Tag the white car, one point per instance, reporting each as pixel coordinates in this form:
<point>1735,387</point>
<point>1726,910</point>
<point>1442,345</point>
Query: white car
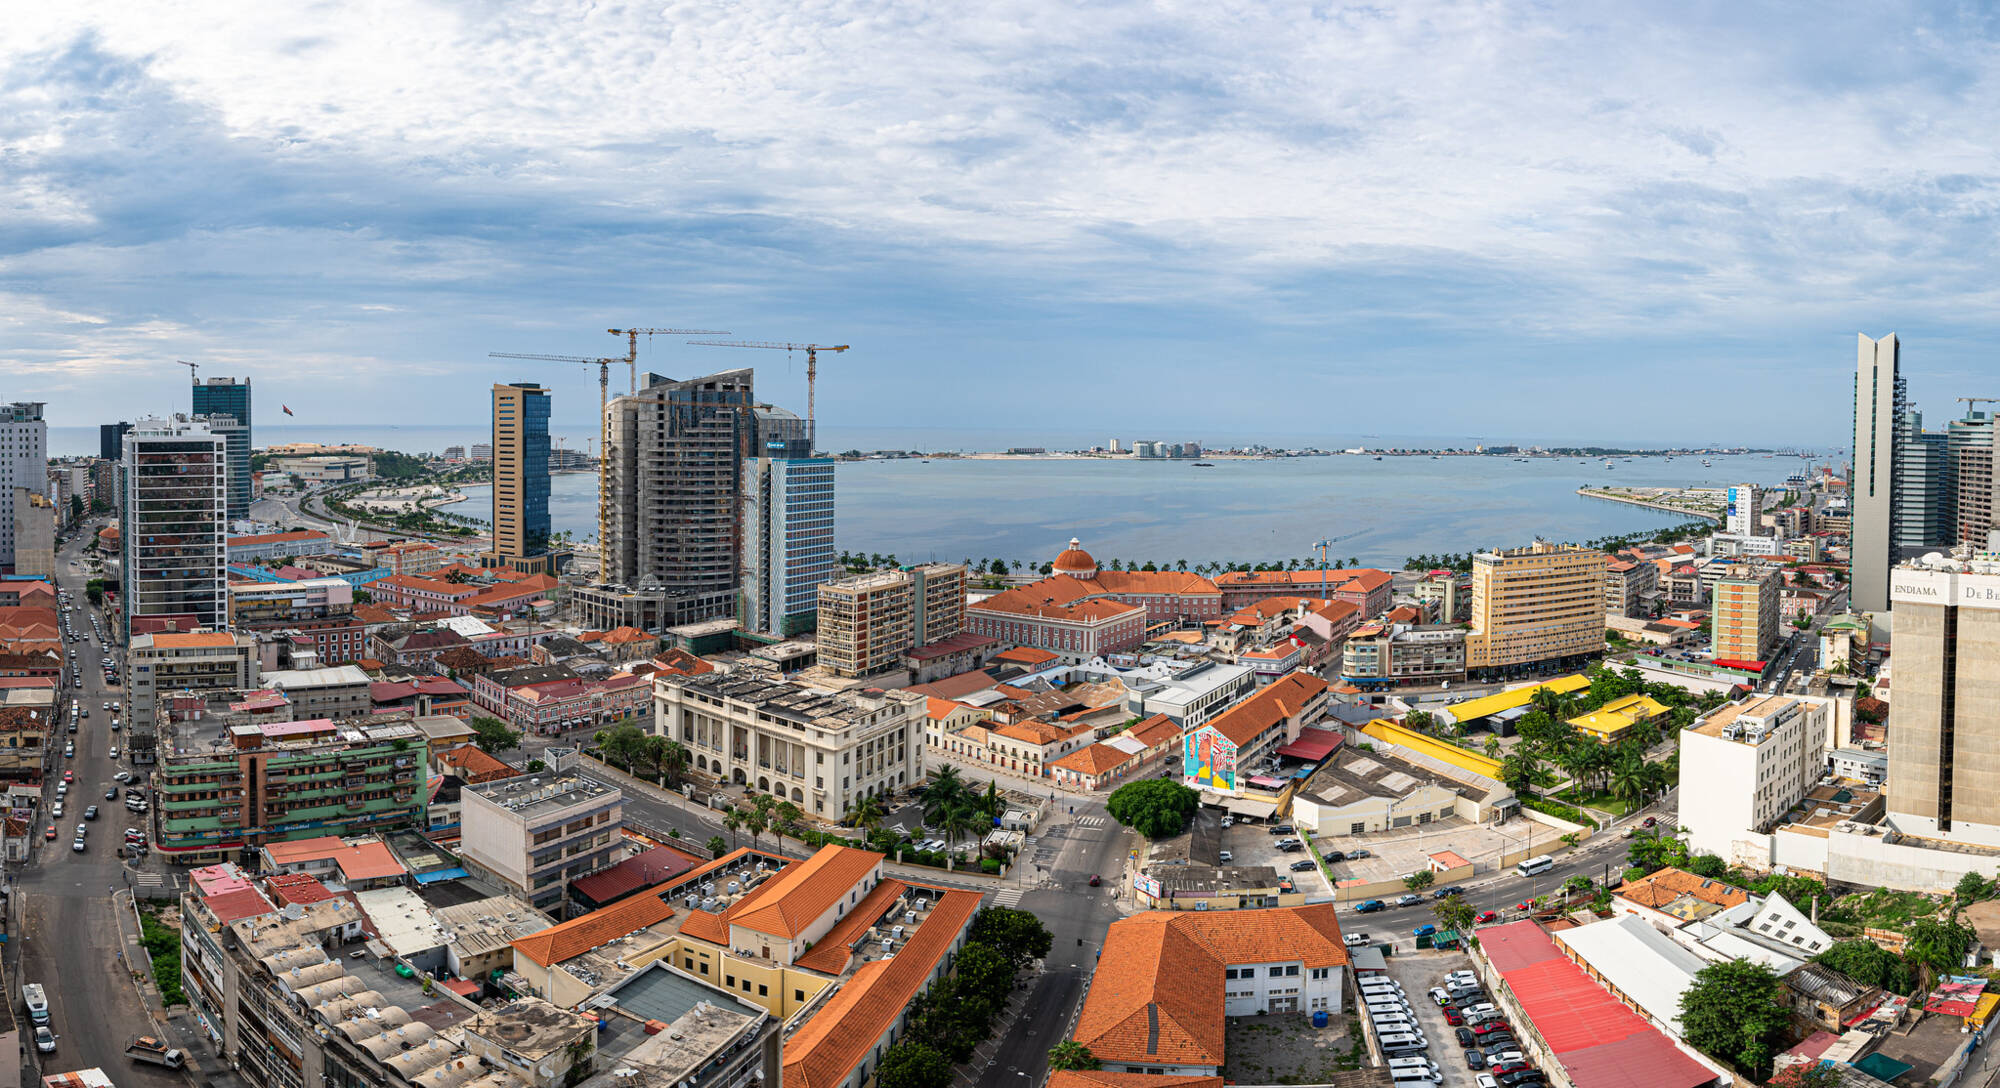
<point>1485,1080</point>
<point>57,810</point>
<point>1355,940</point>
<point>114,751</point>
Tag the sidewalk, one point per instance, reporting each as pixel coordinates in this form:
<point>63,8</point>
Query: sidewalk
<point>179,1028</point>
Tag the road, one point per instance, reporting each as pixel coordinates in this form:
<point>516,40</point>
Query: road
<point>71,940</point>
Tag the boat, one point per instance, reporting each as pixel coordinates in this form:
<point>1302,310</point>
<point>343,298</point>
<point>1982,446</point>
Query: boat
<point>1204,464</point>
<point>1378,457</point>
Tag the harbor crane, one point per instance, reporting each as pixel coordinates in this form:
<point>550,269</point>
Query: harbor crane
<point>632,345</point>
<point>812,358</point>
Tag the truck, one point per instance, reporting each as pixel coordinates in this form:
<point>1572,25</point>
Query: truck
<point>148,1048</point>
<point>37,1002</point>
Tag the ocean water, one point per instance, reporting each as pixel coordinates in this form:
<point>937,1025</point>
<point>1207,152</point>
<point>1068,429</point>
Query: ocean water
<point>1376,511</point>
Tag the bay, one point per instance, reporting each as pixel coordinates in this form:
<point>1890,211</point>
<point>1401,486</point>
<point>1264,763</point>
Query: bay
<point>1379,512</point>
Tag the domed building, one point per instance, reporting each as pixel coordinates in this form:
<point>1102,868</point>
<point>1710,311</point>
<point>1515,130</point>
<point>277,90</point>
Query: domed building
<point>1081,611</point>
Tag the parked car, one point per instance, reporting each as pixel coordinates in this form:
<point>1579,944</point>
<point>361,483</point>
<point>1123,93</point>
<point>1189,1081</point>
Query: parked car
<point>1485,917</point>
<point>1335,855</point>
<point>1370,906</point>
<point>1280,829</point>
<point>1409,899</point>
<point>1448,892</point>
<point>1355,855</point>
<point>1425,930</point>
<point>1303,865</point>
<point>1649,821</point>
<point>1355,940</point>
<point>1452,1016</point>
<point>90,813</point>
<point>50,834</point>
<point>1466,1038</point>
<point>1489,1027</point>
<point>1440,997</point>
<point>1475,1060</point>
<point>1224,856</point>
<point>1095,880</point>
<point>1290,847</point>
<point>1485,1080</point>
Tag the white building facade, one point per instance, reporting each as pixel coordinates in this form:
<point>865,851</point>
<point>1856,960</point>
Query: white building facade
<point>1745,764</point>
<point>24,462</point>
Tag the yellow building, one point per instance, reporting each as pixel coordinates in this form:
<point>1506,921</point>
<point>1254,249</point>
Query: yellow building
<point>1486,706</point>
<point>1744,622</point>
<point>1609,722</point>
<point>1542,603</point>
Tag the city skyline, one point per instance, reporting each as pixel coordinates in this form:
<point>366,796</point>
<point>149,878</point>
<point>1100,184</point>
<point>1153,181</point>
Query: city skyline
<point>1529,208</point>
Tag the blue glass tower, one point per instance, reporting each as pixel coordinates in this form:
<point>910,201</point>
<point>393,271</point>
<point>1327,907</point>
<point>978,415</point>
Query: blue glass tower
<point>231,398</point>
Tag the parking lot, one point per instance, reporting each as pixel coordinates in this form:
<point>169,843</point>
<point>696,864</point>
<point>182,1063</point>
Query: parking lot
<point>1407,850</point>
<point>1417,973</point>
<point>1254,844</point>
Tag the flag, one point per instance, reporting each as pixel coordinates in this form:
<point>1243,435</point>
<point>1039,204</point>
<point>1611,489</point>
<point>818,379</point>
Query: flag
<point>288,410</point>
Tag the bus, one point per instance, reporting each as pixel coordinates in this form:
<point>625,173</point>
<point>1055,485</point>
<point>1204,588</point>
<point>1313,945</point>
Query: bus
<point>1536,865</point>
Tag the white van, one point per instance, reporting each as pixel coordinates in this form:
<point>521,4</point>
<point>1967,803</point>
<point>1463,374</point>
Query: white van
<point>1540,863</point>
<point>1386,1004</point>
<point>1413,1063</point>
<point>1415,1076</point>
<point>1403,1043</point>
<point>1395,1024</point>
<point>1370,985</point>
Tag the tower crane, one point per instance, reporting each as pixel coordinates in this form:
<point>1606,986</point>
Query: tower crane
<point>194,370</point>
<point>1978,400</point>
<point>632,344</point>
<point>812,358</point>
<point>603,370</point>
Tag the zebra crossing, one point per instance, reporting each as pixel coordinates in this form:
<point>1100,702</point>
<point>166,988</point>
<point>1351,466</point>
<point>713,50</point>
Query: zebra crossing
<point>148,880</point>
<point>1009,896</point>
<point>1090,821</point>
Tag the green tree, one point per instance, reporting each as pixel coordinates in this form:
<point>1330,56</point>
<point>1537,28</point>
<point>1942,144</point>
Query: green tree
<point>732,820</point>
<point>1809,1075</point>
<point>1972,888</point>
<point>785,819</point>
<point>716,847</point>
<point>1419,880</point>
<point>913,1065</point>
<point>1018,933</point>
<point>1423,721</point>
<point>1868,963</point>
<point>672,758</point>
<point>492,735</point>
<point>1938,944</point>
<point>985,970</point>
<point>1736,1012</point>
<point>866,813</point>
<point>1157,808</point>
<point>1072,1055</point>
<point>1453,912</point>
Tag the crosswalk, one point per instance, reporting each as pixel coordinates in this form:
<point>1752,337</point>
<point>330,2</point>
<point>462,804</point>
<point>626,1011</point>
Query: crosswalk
<point>1009,896</point>
<point>149,880</point>
<point>1090,821</point>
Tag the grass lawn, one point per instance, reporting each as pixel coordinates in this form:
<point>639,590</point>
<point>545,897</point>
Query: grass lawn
<point>1603,802</point>
<point>1883,909</point>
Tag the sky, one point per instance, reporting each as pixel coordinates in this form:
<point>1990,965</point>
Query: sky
<point>1614,222</point>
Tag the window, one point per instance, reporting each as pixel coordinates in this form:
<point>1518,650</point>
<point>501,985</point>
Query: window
<point>798,995</point>
<point>729,979</point>
<point>704,967</point>
<point>746,985</point>
<point>1357,829</point>
<point>1292,970</point>
<point>1277,972</point>
<point>763,990</point>
<point>1320,973</point>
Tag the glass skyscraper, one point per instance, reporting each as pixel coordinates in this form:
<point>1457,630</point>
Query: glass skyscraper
<point>520,471</point>
<point>229,397</point>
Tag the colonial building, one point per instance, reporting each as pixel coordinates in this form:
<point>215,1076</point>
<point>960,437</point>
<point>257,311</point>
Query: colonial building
<point>1081,611</point>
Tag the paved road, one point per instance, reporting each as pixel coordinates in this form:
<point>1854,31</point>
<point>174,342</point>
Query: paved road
<point>71,940</point>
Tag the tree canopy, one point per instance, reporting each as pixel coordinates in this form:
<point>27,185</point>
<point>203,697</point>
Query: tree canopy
<point>1018,933</point>
<point>1736,1012</point>
<point>493,736</point>
<point>1157,808</point>
<point>913,1065</point>
<point>1869,964</point>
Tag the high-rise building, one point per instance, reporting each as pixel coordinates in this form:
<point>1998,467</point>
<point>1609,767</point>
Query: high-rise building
<point>1944,740</point>
<point>1971,480</point>
<point>520,473</point>
<point>1880,396</point>
<point>787,526</point>
<point>1542,603</point>
<point>868,621</point>
<point>230,397</point>
<point>1745,623</point>
<point>669,492</point>
<point>1743,514</point>
<point>34,534</point>
<point>482,451</point>
<point>172,545</point>
<point>24,462</point>
<point>111,440</point>
<point>1926,509</point>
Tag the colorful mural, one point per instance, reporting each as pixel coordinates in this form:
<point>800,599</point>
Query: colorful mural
<point>1208,760</point>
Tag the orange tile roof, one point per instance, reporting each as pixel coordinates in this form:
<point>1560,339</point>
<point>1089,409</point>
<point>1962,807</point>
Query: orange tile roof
<point>831,954</point>
<point>273,538</point>
<point>573,938</point>
<point>1365,578</point>
<point>1667,885</point>
<point>824,1052</point>
<point>683,663</point>
<point>1037,733</point>
<point>357,861</point>
<point>193,640</point>
<point>1097,1078</point>
<point>1154,731</point>
<point>1155,583</point>
<point>474,765</point>
<point>1281,699</point>
<point>1160,1001</point>
<point>937,709</point>
<point>1094,760</point>
<point>804,892</point>
<point>1025,655</point>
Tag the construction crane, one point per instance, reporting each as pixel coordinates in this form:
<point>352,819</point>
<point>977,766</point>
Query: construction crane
<point>194,371</point>
<point>632,344</point>
<point>603,371</point>
<point>1978,400</point>
<point>812,359</point>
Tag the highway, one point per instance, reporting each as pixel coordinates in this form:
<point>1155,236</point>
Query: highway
<point>71,941</point>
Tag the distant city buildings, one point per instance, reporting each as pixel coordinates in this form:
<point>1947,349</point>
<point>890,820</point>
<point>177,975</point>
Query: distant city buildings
<point>230,398</point>
<point>111,440</point>
<point>1081,611</point>
<point>1969,445</point>
<point>868,622</point>
<point>1743,510</point>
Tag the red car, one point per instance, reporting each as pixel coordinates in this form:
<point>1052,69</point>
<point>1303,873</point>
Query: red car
<point>1485,916</point>
<point>50,834</point>
<point>1453,1016</point>
<point>1510,1067</point>
<point>1525,905</point>
<point>69,776</point>
<point>1094,880</point>
<point>1490,1027</point>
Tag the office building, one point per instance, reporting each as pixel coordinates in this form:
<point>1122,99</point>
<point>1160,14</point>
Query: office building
<point>111,441</point>
<point>1379,654</point>
<point>533,836</point>
<point>1944,746</point>
<point>1745,764</point>
<point>867,622</point>
<point>1543,604</point>
<point>195,664</point>
<point>1629,584</point>
<point>821,750</point>
<point>1881,396</point>
<point>230,398</point>
<point>173,543</point>
<point>34,535</point>
<point>482,451</point>
<point>520,474</point>
<point>1926,508</point>
<point>1969,453</point>
<point>1746,622</point>
<point>1743,514</point>
<point>668,495</point>
<point>277,781</point>
<point>787,518</point>
<point>24,463</point>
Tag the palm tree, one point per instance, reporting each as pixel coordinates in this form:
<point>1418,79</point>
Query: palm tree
<point>756,823</point>
<point>672,758</point>
<point>946,791</point>
<point>1627,781</point>
<point>733,820</point>
<point>866,813</point>
<point>784,818</point>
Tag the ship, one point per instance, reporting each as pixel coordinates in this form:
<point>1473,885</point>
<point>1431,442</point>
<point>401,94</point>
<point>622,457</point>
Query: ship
<point>1204,464</point>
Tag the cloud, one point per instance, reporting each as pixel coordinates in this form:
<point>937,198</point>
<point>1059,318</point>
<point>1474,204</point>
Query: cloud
<point>380,195</point>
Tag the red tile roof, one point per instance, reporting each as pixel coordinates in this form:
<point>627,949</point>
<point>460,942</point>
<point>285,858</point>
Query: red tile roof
<point>560,943</point>
<point>831,954</point>
<point>474,766</point>
<point>956,644</point>
<point>1094,760</point>
<point>1279,700</point>
<point>824,1052</point>
<point>301,888</point>
<point>1097,1078</point>
<point>1366,579</point>
<point>803,892</point>
<point>641,870</point>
